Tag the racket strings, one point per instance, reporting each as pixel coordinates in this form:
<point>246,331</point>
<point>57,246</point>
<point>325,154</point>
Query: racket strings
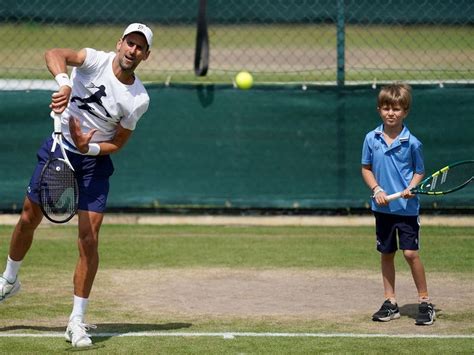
<point>59,192</point>
<point>449,178</point>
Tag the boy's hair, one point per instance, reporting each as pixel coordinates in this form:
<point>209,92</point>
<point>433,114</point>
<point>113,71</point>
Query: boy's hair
<point>395,94</point>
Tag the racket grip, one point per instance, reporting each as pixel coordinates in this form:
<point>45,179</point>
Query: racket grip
<point>57,123</point>
<point>394,196</point>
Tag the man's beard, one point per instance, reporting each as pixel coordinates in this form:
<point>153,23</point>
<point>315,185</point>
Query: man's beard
<point>125,66</point>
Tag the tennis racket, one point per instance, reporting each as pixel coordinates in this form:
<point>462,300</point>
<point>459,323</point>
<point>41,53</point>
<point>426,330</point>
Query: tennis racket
<point>59,192</point>
<point>444,181</point>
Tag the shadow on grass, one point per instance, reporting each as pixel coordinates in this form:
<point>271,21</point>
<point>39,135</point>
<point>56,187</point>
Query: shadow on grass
<point>411,310</point>
<point>107,331</point>
<point>113,328</point>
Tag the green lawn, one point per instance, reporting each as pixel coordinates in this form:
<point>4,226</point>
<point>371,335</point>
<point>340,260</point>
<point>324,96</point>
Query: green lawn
<point>135,247</point>
<point>445,249</point>
<point>247,345</point>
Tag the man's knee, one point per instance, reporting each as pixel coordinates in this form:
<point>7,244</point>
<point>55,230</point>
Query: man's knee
<point>30,217</point>
<point>88,241</point>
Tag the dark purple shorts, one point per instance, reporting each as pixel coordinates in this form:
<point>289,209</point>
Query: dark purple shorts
<point>92,174</point>
<point>387,226</point>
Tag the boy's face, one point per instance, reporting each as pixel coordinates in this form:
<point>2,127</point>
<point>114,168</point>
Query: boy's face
<point>392,115</point>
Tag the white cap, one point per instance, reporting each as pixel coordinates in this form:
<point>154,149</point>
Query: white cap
<point>141,28</point>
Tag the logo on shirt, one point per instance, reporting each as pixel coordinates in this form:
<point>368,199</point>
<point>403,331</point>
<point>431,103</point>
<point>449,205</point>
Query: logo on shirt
<point>93,103</point>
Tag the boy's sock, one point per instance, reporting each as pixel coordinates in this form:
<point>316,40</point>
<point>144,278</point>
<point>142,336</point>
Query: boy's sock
<point>391,298</point>
<point>423,297</point>
<point>11,270</point>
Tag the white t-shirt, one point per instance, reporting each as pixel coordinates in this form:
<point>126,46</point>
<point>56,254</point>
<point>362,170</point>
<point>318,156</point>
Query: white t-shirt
<point>99,100</point>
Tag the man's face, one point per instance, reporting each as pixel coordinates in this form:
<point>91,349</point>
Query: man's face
<point>131,50</point>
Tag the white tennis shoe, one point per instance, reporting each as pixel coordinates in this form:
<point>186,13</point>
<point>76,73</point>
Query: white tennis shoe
<point>76,333</point>
<point>8,289</point>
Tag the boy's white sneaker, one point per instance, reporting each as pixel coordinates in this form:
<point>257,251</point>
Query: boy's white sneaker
<point>8,289</point>
<point>76,333</point>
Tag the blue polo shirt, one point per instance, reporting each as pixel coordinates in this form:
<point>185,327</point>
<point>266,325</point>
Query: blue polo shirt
<point>393,167</point>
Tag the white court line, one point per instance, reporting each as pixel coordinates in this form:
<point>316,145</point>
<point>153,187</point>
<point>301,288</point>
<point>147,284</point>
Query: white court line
<point>232,335</point>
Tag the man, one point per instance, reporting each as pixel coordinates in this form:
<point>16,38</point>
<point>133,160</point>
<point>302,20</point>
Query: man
<point>99,105</point>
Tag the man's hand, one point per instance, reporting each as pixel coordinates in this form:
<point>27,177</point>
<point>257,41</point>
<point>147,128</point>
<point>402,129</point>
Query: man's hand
<point>81,140</point>
<point>60,99</point>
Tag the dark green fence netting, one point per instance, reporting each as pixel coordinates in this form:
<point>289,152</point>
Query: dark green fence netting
<point>268,147</point>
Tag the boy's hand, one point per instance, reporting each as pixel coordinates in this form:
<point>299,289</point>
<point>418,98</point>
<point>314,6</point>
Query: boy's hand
<point>380,197</point>
<point>407,193</point>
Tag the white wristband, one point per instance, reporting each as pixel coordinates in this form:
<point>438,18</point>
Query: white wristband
<point>94,149</point>
<point>377,190</point>
<point>63,80</point>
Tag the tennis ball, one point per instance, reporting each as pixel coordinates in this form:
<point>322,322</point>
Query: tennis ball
<point>244,80</point>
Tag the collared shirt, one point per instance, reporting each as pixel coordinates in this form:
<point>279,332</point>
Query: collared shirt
<point>393,167</point>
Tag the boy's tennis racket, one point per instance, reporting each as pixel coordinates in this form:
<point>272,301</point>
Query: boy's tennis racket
<point>446,180</point>
<point>59,192</point>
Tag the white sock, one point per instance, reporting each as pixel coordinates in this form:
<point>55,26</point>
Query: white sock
<point>79,307</point>
<point>11,269</point>
<point>423,299</point>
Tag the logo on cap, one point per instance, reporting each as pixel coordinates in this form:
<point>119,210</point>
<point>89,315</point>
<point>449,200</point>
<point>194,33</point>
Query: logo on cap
<point>143,29</point>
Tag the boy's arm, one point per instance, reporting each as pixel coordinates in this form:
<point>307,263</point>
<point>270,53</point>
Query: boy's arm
<point>418,173</point>
<point>379,194</point>
<point>417,178</point>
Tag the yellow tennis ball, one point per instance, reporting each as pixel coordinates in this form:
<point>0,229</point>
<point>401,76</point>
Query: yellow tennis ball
<point>244,80</point>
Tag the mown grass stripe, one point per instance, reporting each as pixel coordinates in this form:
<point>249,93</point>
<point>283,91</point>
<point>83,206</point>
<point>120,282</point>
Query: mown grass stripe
<point>232,335</point>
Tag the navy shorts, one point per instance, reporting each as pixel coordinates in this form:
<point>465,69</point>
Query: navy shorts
<point>92,174</point>
<point>386,228</point>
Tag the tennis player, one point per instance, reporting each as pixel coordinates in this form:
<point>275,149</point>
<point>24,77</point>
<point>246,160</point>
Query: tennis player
<point>392,161</point>
<point>100,105</point>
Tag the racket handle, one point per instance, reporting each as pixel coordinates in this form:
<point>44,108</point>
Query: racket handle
<point>394,196</point>
<point>57,123</point>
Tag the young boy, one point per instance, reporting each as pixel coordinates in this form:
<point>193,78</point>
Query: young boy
<point>392,161</point>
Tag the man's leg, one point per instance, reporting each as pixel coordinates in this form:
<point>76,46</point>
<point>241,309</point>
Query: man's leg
<point>20,243</point>
<point>86,269</point>
<point>88,243</point>
<point>22,236</point>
